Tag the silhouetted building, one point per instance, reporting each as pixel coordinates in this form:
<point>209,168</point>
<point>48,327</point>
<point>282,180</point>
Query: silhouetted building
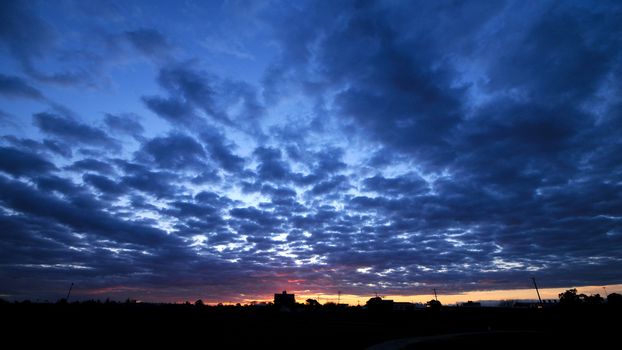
<point>284,299</point>
<point>379,304</point>
<point>471,304</point>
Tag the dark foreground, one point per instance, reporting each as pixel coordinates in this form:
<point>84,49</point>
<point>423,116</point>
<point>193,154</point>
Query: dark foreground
<point>184,326</point>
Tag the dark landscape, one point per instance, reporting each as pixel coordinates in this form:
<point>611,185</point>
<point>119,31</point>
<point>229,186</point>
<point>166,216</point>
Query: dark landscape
<point>307,326</point>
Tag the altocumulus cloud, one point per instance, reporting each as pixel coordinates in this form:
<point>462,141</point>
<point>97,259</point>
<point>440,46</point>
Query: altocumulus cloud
<point>365,147</point>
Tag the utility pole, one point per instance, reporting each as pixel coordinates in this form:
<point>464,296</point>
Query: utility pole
<point>69,293</point>
<point>537,291</point>
<point>435,296</point>
<point>605,289</point>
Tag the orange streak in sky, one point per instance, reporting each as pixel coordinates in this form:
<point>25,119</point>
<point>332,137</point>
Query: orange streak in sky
<point>506,294</point>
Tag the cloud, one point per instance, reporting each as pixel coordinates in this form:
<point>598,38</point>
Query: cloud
<point>395,147</point>
<point>87,217</point>
<point>272,167</point>
<point>196,94</point>
<point>90,164</point>
<point>58,148</point>
<point>330,185</point>
<point>16,87</point>
<point>61,185</point>
<point>170,109</point>
<point>19,163</point>
<point>50,146</point>
<point>410,185</point>
<point>160,184</point>
<point>193,86</point>
<point>221,152</point>
<point>104,184</point>
<point>485,145</point>
<point>73,131</point>
<point>173,152</point>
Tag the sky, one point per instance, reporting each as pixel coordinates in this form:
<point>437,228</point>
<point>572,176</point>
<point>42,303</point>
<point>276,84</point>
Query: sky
<point>228,150</point>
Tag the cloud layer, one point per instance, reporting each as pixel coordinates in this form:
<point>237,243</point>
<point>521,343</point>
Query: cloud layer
<point>369,147</point>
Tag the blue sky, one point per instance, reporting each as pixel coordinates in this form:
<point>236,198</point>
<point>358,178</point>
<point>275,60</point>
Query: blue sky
<point>227,150</point>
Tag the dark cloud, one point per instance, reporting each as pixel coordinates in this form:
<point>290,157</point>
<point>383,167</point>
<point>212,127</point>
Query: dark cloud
<point>160,184</point>
<point>408,100</point>
<point>329,160</point>
<point>49,146</point>
<point>208,216</point>
<point>172,110</point>
<point>281,195</point>
<point>90,164</point>
<point>59,148</point>
<point>82,215</point>
<point>73,131</point>
<point>173,152</point>
<point>409,185</point>
<point>194,87</point>
<point>500,141</point>
<point>221,151</point>
<point>194,94</point>
<point>253,214</point>
<point>330,185</point>
<point>16,162</point>
<point>61,185</point>
<point>104,184</point>
<point>13,86</point>
<point>272,166</point>
<point>559,58</point>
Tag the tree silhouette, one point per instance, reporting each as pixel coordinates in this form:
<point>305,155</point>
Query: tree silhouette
<point>199,303</point>
<point>569,297</point>
<point>614,299</point>
<point>594,299</point>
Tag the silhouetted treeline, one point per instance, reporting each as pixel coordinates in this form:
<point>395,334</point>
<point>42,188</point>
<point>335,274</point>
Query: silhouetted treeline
<point>572,298</point>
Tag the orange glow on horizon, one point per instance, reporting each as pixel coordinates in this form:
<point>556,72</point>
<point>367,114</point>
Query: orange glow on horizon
<point>145,295</point>
<point>448,299</point>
